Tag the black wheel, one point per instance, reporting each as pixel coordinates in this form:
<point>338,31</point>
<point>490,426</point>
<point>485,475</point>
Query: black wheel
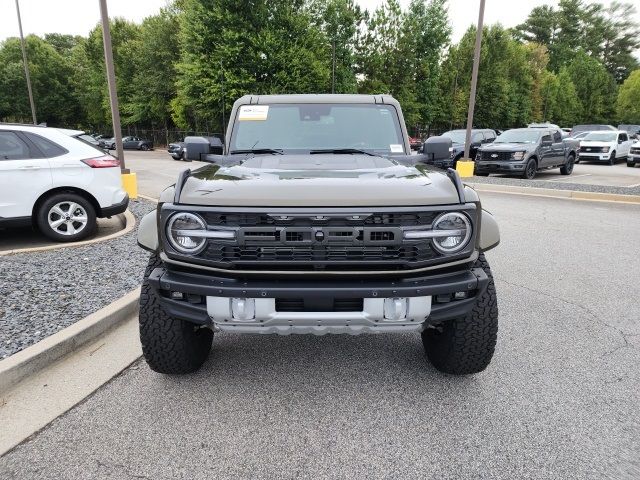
<point>169,345</point>
<point>176,157</point>
<point>612,158</point>
<point>567,168</point>
<point>465,345</point>
<point>631,164</point>
<point>144,147</point>
<point>66,217</point>
<point>530,170</point>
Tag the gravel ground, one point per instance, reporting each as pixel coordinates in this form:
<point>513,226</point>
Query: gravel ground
<point>47,291</point>
<point>520,182</point>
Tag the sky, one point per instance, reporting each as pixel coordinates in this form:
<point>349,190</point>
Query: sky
<point>78,17</point>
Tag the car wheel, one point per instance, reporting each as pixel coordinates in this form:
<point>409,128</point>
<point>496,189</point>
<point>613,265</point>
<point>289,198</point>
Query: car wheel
<point>631,164</point>
<point>144,147</point>
<point>465,345</point>
<point>66,217</point>
<point>567,169</point>
<point>176,157</point>
<point>169,345</point>
<point>530,170</point>
<point>612,158</point>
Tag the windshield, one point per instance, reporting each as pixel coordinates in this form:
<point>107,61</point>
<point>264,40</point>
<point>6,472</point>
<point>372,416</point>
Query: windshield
<point>294,128</point>
<point>456,136</point>
<point>519,136</point>
<point>601,137</point>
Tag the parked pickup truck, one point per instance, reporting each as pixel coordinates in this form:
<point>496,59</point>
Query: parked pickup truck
<point>525,151</point>
<point>317,219</point>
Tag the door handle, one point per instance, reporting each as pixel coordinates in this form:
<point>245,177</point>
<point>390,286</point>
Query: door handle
<point>30,167</point>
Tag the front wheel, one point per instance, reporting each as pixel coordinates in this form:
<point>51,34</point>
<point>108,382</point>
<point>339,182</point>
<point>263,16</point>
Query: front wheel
<point>465,345</point>
<point>567,168</point>
<point>612,158</point>
<point>631,164</point>
<point>530,170</point>
<point>66,217</point>
<point>169,345</point>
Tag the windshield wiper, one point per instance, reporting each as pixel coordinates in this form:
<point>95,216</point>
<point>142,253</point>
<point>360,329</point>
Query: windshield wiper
<point>343,150</point>
<point>272,151</point>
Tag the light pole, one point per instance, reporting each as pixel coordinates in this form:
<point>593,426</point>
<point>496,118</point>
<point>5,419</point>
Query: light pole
<point>468,172</point>
<point>26,66</point>
<point>111,82</point>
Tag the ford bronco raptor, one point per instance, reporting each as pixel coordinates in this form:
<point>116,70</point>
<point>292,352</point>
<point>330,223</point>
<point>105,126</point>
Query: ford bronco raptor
<point>314,217</point>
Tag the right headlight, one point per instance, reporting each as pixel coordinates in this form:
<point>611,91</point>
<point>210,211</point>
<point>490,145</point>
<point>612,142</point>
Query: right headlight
<point>605,149</point>
<point>179,227</point>
<point>451,232</point>
<point>518,155</point>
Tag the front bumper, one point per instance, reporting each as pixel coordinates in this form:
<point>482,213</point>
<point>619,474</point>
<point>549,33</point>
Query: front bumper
<point>205,300</point>
<point>500,167</point>
<point>594,157</point>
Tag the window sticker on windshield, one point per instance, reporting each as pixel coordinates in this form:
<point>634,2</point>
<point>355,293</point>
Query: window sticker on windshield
<point>395,148</point>
<point>253,112</point>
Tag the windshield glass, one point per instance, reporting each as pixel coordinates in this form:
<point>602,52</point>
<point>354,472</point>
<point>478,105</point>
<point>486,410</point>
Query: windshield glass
<point>601,136</point>
<point>305,127</point>
<point>456,136</point>
<point>519,136</point>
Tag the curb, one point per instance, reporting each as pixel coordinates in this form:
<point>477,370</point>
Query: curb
<point>130,222</point>
<point>555,193</point>
<point>36,357</point>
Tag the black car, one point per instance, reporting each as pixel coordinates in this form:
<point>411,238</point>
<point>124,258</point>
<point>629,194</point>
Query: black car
<point>176,150</point>
<point>479,137</point>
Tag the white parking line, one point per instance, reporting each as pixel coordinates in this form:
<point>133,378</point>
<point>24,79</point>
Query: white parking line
<point>564,179</point>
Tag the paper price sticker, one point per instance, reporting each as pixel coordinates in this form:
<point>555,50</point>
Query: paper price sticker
<point>253,112</point>
<point>396,148</point>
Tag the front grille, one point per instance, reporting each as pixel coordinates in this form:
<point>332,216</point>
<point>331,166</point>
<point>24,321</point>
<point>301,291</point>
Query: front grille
<point>635,151</point>
<point>496,156</point>
<point>321,304</point>
<point>591,149</point>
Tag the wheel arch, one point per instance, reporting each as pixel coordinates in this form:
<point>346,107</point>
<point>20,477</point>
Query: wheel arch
<point>78,191</point>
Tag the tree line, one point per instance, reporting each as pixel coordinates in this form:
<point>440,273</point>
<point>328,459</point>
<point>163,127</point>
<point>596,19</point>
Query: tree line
<point>185,66</point>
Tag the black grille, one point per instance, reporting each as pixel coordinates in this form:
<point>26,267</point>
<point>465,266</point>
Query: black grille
<point>499,156</point>
<point>319,305</point>
<point>635,151</point>
<point>591,149</point>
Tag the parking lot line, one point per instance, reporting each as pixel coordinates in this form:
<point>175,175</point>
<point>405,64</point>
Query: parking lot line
<point>564,179</point>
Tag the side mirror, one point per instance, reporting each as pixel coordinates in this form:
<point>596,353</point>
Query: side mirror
<point>437,148</point>
<point>198,148</point>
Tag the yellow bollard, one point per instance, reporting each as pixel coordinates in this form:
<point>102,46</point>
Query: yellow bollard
<point>130,184</point>
<point>465,167</point>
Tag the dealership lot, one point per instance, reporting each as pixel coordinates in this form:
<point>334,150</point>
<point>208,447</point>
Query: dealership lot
<point>560,399</point>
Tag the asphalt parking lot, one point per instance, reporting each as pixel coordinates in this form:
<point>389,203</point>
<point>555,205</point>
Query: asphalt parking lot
<point>560,400</point>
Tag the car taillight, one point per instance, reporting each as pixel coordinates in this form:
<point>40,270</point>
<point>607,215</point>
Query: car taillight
<point>105,161</point>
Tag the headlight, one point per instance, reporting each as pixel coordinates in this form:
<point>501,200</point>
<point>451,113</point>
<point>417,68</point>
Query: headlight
<point>452,232</point>
<point>605,149</point>
<point>518,155</point>
<point>178,229</point>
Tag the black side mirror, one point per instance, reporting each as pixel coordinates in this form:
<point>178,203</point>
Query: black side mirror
<point>437,148</point>
<point>198,148</point>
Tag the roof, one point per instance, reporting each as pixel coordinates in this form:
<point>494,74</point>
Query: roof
<point>316,98</point>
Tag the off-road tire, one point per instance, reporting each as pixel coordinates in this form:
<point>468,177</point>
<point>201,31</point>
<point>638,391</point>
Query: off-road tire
<point>169,345</point>
<point>43,211</point>
<point>529,170</point>
<point>567,168</point>
<point>465,345</point>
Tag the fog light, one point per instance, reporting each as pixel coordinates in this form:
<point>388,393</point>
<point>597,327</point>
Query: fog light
<point>460,295</point>
<point>243,309</point>
<point>177,295</point>
<point>395,308</point>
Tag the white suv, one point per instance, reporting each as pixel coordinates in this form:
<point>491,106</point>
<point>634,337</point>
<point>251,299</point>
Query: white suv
<point>634,155</point>
<point>56,182</point>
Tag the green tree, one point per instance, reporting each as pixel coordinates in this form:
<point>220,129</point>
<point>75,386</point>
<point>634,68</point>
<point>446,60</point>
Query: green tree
<point>628,102</point>
<point>594,86</point>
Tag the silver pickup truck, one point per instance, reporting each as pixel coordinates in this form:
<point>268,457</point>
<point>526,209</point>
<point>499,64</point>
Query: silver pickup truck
<point>313,217</point>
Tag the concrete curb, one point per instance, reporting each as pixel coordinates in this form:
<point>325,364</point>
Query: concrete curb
<point>555,193</point>
<point>38,356</point>
<point>129,223</point>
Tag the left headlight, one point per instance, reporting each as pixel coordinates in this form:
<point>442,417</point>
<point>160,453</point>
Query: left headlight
<point>184,231</point>
<point>518,155</point>
<point>451,231</point>
<point>605,149</point>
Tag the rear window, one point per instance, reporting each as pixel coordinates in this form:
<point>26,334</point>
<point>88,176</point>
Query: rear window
<point>12,147</point>
<point>47,147</point>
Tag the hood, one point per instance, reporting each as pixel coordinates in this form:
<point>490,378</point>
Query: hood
<point>509,147</point>
<point>595,143</point>
<point>318,181</point>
